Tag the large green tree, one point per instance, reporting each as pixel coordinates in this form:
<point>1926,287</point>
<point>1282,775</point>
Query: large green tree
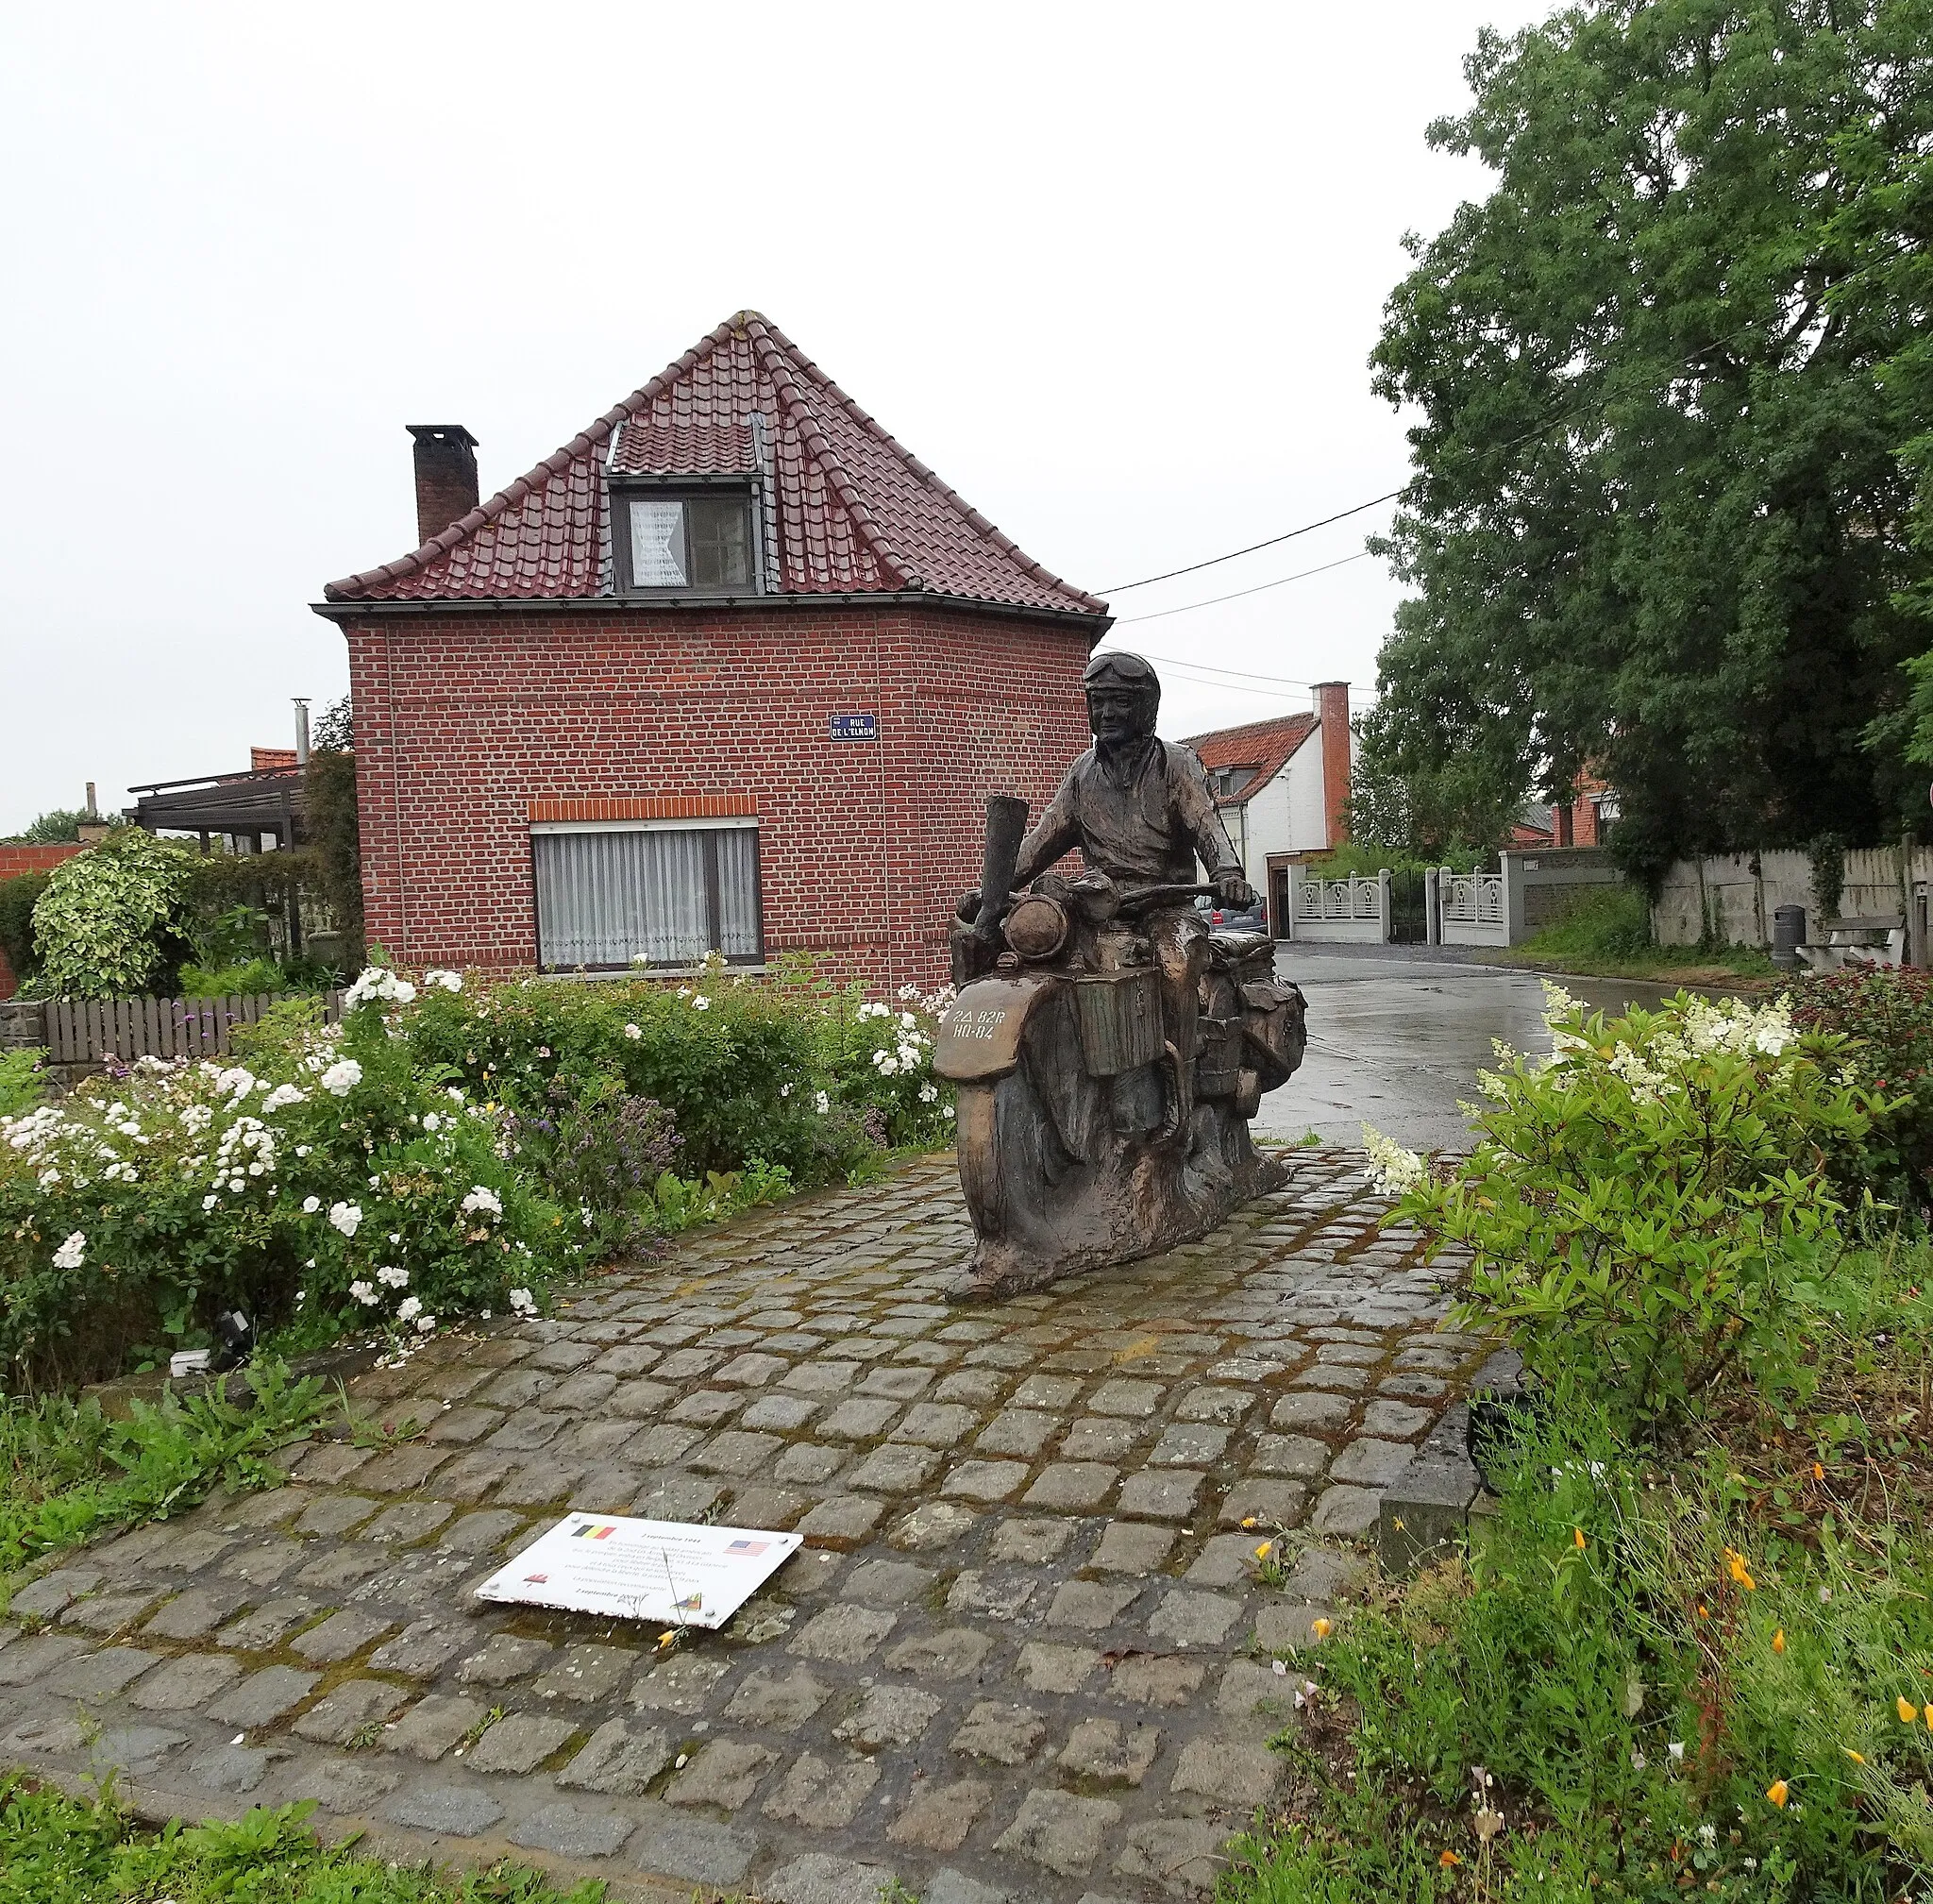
<point>1662,510</point>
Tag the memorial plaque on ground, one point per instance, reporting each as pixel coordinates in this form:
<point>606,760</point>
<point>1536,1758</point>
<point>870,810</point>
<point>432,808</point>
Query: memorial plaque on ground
<point>642,1570</point>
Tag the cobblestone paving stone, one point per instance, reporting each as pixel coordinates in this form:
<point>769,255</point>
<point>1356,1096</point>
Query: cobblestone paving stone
<point>1025,1654</point>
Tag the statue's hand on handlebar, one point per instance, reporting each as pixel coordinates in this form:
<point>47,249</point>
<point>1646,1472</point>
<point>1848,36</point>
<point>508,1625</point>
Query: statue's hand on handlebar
<point>1233,891</point>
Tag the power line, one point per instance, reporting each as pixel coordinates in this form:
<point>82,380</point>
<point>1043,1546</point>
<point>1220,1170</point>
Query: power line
<point>1562,417</point>
<point>1287,535</point>
<point>1203,670</point>
<point>1261,588</point>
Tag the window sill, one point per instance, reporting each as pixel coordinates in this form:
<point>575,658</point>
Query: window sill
<point>595,974</point>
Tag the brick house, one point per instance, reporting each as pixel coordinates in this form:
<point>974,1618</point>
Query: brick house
<point>731,669</point>
<point>1283,787</point>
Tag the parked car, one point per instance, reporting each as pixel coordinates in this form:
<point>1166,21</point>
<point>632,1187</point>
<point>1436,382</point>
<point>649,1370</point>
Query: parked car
<point>1230,918</point>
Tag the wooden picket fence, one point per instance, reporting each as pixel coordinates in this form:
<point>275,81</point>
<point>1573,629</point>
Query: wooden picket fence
<point>87,1031</point>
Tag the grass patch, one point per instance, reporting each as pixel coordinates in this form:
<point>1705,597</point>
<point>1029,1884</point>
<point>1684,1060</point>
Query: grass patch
<point>67,1471</point>
<point>1706,1675</point>
<point>53,1851</point>
<point>1605,933</point>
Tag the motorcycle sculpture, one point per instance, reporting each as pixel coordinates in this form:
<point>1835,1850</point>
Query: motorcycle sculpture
<point>1108,1049</point>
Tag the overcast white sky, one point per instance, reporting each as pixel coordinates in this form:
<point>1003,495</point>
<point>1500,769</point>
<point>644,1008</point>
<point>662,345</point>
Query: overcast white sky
<point>1113,270</point>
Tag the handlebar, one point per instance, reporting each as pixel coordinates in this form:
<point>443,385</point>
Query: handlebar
<point>1162,895</point>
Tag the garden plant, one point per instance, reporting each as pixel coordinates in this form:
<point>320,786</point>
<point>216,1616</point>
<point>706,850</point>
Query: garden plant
<point>450,1150</point>
<point>1691,1651</point>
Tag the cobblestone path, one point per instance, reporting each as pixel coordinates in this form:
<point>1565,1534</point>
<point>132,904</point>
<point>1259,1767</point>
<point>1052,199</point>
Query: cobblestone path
<point>1024,1655</point>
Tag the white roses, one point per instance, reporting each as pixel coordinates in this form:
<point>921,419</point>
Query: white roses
<point>342,1077</point>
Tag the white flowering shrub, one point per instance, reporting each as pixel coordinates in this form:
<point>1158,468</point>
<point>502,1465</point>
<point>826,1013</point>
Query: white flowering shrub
<point>328,1162</point>
<point>735,1070</point>
<point>449,1144</point>
<point>1643,1205</point>
<point>879,1059</point>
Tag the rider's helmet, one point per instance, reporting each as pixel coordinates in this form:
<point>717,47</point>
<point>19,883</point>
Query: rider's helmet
<point>1123,676</point>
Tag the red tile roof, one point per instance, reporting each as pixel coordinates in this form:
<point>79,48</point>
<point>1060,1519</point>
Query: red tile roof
<point>854,511</point>
<point>1265,745</point>
<point>265,759</point>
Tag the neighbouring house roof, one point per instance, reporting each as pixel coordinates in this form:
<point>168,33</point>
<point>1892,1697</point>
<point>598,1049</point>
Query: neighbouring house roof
<point>265,759</point>
<point>1266,745</point>
<point>849,508</point>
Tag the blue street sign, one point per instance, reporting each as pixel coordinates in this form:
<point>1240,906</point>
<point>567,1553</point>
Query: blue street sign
<point>855,726</point>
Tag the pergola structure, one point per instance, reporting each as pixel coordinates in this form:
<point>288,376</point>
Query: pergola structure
<point>246,807</point>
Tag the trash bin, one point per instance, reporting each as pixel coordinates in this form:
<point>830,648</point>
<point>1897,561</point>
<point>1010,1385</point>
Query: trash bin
<point>1788,935</point>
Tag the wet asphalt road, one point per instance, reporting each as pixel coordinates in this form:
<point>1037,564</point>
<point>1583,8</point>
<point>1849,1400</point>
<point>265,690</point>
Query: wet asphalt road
<point>1397,1034</point>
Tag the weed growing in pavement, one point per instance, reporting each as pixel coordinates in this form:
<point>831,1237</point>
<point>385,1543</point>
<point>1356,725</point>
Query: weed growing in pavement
<point>59,1850</point>
<point>67,1470</point>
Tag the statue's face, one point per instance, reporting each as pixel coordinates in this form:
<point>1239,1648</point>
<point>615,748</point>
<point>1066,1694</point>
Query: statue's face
<point>1118,711</point>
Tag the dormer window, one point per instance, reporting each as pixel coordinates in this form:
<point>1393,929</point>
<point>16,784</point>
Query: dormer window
<point>1229,780</point>
<point>683,541</point>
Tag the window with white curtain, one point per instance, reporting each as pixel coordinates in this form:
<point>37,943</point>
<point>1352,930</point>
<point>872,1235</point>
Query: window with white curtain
<point>611,897</point>
<point>669,541</point>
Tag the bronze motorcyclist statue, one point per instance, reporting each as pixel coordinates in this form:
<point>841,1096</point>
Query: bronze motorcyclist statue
<point>1108,1049</point>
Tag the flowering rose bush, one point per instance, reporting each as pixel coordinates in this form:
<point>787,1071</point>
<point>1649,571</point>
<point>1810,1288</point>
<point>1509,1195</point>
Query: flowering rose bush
<point>446,1151</point>
<point>878,1059</point>
<point>144,1201</point>
<point>743,1068</point>
<point>1644,1207</point>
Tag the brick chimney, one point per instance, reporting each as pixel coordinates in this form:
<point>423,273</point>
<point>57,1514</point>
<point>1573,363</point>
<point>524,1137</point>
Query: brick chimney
<point>1332,714</point>
<point>445,476</point>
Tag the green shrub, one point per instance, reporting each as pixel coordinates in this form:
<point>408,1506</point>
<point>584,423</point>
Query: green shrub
<point>250,978</point>
<point>105,921</point>
<point>333,1177</point>
<point>796,1074</point>
<point>23,1084</point>
<point>1889,1015</point>
<point>18,898</point>
<point>1644,1209</point>
<point>599,1152</point>
<point>1599,922</point>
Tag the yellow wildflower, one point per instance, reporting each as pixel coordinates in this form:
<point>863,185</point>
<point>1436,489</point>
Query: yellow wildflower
<point>1735,1563</point>
<point>1577,1538</point>
<point>1857,1757</point>
<point>1818,1470</point>
<point>1251,1522</point>
<point>1322,1629</point>
<point>1262,1552</point>
<point>1447,1859</point>
<point>1907,1712</point>
<point>1776,1792</point>
<point>1778,1640</point>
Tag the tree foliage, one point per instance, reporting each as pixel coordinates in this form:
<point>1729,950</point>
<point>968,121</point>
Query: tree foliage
<point>53,828</point>
<point>1437,812</point>
<point>1672,376</point>
<point>334,850</point>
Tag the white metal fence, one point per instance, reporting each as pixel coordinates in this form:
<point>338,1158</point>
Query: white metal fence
<point>1338,911</point>
<point>1472,898</point>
